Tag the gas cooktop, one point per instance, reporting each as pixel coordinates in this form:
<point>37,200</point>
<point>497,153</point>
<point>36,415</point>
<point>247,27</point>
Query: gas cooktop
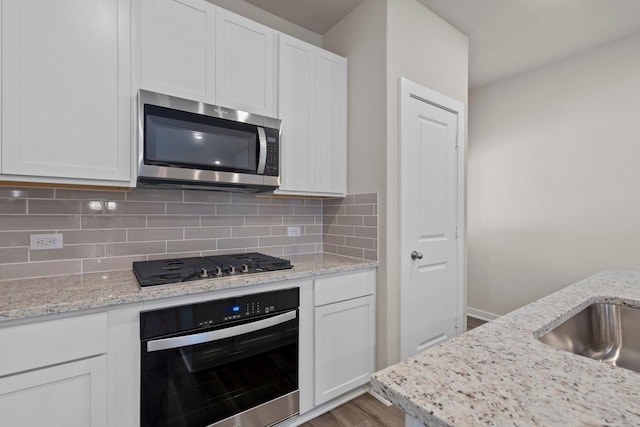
<point>161,272</point>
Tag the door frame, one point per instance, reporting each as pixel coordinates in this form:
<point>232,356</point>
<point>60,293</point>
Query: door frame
<point>408,89</point>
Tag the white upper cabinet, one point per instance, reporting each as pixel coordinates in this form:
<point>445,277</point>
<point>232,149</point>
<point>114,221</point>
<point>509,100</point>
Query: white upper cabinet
<point>178,48</point>
<point>312,106</point>
<point>66,92</point>
<point>331,123</point>
<point>297,111</point>
<point>195,50</point>
<point>245,64</point>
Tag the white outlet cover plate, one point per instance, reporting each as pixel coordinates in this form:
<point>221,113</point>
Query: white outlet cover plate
<point>45,241</point>
<point>294,231</point>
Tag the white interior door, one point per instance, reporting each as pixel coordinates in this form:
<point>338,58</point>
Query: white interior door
<point>430,218</point>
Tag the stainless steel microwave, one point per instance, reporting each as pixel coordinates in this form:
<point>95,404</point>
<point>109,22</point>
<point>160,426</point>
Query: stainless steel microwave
<point>189,144</point>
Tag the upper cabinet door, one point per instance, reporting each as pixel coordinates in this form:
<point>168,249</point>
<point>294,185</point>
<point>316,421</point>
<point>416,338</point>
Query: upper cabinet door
<point>178,48</point>
<point>331,123</point>
<point>297,111</point>
<point>245,64</point>
<point>312,99</point>
<point>66,100</point>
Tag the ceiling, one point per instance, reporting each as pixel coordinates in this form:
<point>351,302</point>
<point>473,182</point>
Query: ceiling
<point>506,37</point>
<point>315,15</point>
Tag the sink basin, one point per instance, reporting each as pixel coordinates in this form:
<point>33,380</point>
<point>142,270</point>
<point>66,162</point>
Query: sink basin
<point>606,332</point>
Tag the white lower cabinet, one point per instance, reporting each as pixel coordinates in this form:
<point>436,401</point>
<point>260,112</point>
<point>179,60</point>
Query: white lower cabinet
<point>73,394</point>
<point>54,373</point>
<point>84,370</point>
<point>344,333</point>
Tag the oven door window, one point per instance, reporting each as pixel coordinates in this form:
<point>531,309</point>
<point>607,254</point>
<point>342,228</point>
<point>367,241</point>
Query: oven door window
<point>198,385</point>
<point>183,139</point>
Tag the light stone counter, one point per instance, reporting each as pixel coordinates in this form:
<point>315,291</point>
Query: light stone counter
<point>26,298</point>
<point>499,374</point>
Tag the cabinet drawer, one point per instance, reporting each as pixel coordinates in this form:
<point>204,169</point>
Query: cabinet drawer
<point>45,343</point>
<point>347,286</point>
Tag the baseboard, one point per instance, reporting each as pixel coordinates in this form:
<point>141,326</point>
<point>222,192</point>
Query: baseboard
<point>384,401</point>
<point>482,315</point>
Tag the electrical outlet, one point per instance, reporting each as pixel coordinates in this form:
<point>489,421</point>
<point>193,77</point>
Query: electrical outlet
<point>45,241</point>
<point>294,231</point>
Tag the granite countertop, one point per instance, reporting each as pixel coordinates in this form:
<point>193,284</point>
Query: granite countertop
<point>26,298</point>
<point>499,374</point>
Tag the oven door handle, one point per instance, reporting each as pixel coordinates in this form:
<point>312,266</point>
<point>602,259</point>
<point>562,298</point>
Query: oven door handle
<point>219,334</point>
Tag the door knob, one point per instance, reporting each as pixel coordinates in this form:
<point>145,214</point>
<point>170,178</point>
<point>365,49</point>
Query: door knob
<point>416,255</point>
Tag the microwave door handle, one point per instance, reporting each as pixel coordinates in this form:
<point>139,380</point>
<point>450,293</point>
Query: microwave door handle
<point>220,334</point>
<point>262,161</point>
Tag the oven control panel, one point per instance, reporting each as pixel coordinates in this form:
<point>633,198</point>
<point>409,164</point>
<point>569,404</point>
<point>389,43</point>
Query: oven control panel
<point>257,305</point>
<point>211,313</point>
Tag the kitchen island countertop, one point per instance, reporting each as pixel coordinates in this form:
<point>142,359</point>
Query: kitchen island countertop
<point>499,374</point>
<point>25,298</point>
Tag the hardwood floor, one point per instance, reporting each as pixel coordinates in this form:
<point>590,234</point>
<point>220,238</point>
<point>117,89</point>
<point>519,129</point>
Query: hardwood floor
<point>366,410</point>
<point>473,322</point>
<point>363,411</point>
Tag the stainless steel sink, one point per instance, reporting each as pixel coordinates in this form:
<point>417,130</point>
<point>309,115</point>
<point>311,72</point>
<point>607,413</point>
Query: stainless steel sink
<point>606,332</point>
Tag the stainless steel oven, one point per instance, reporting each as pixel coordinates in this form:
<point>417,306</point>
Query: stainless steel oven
<point>223,363</point>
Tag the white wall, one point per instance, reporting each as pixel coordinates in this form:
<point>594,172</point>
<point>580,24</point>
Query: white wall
<point>361,37</point>
<point>554,177</point>
<point>385,40</point>
<point>424,48</point>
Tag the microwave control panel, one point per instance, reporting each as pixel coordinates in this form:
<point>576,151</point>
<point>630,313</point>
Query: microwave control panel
<point>273,153</point>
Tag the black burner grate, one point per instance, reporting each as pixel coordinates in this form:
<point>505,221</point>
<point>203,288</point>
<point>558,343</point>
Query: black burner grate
<point>161,272</point>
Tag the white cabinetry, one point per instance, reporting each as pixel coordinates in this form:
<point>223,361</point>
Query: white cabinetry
<point>178,48</point>
<point>344,333</point>
<point>195,50</point>
<point>312,106</point>
<point>66,92</point>
<point>245,64</point>
<point>55,373</point>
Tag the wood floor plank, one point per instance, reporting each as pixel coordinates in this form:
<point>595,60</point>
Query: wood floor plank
<point>350,414</point>
<point>387,416</point>
<point>363,411</point>
<point>324,420</point>
<point>473,322</point>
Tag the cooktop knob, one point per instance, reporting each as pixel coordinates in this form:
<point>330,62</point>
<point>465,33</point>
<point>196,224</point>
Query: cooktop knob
<point>245,268</point>
<point>204,273</point>
<point>217,272</point>
<point>232,269</point>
